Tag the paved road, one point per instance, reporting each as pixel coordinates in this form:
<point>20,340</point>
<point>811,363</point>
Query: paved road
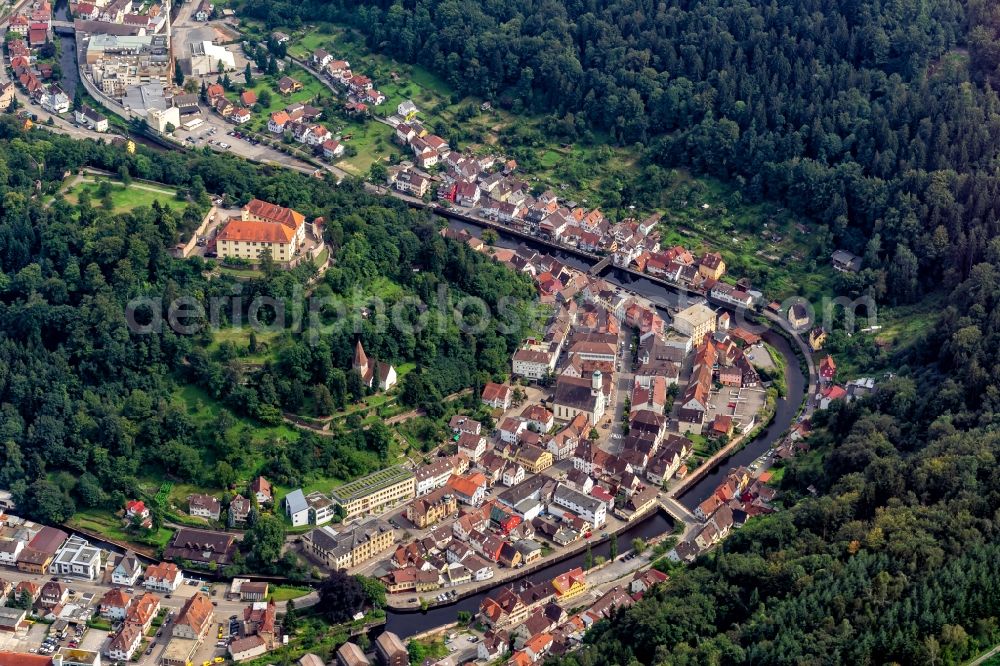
<point>984,657</point>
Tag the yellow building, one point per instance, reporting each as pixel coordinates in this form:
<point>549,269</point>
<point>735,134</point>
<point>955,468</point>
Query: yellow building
<point>712,266</point>
<point>373,493</point>
<point>570,584</point>
<point>261,227</point>
<point>696,322</point>
<point>431,508</point>
<point>534,459</point>
<point>348,547</point>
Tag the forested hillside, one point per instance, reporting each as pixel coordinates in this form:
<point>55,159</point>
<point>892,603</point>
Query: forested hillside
<point>88,407</point>
<point>869,117</point>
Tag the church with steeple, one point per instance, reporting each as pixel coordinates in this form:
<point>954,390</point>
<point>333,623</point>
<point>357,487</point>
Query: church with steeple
<point>374,374</point>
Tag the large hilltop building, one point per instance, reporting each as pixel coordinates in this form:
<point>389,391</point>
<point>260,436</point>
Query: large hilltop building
<point>263,226</point>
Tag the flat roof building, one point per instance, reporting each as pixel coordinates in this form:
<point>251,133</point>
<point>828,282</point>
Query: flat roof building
<point>375,492</point>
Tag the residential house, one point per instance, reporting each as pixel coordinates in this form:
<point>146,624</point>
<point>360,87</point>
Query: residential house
<point>53,593</point>
<point>406,110</point>
<point>127,570</point>
<point>798,315</point>
<point>471,445</point>
<point>239,510</point>
<point>296,508</point>
<point>498,396</point>
<point>195,618</point>
<point>827,369</point>
<point>321,508</point>
<point>124,643</point>
<point>846,262</point>
<point>143,610</point>
<point>204,506</point>
<point>410,182</point>
<point>287,85</point>
<point>320,58</point>
<point>114,604</point>
<point>712,265</point>
<point>332,149</point>
<point>539,417</point>
<point>240,115</point>
<point>163,577</point>
<point>85,116</point>
<point>643,581</point>
<point>390,651</point>
<point>9,551</point>
<point>261,488</point>
<point>493,646</point>
<point>277,123</point>
<point>469,489</point>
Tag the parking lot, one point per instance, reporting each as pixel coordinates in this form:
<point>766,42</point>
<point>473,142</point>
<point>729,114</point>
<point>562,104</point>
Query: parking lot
<point>740,403</point>
<point>26,642</point>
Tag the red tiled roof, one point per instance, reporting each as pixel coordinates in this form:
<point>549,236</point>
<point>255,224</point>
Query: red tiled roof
<point>256,231</point>
<point>274,213</point>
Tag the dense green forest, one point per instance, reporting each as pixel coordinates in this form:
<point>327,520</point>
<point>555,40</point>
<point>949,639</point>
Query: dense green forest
<point>88,406</point>
<point>872,118</point>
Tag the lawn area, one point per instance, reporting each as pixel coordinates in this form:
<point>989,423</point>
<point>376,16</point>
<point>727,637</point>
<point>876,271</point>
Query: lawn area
<point>108,525</point>
<point>123,199</point>
<point>324,484</point>
<point>241,273</point>
<point>285,592</point>
<point>322,257</point>
<point>240,337</point>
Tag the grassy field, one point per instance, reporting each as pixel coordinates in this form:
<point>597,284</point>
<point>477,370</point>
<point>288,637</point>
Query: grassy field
<point>123,199</point>
<point>285,592</point>
<point>240,337</point>
<point>110,526</point>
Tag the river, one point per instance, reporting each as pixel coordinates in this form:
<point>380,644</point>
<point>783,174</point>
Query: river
<point>784,414</point>
<point>70,78</point>
<point>414,622</point>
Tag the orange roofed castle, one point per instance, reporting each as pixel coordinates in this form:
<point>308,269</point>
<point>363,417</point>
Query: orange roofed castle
<point>264,226</point>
